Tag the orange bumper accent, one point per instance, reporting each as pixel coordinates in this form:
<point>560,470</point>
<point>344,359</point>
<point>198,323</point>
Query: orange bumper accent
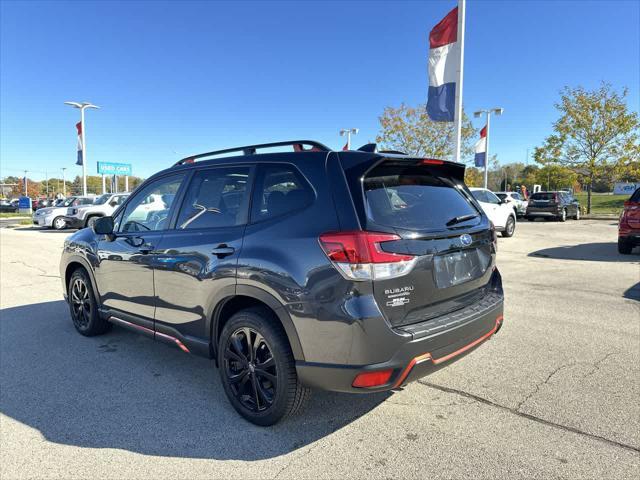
<point>427,356</point>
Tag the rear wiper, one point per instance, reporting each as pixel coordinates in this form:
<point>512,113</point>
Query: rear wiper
<point>461,218</point>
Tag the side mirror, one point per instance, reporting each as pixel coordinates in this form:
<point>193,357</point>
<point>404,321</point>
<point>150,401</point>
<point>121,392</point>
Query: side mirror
<point>103,226</point>
<point>113,203</point>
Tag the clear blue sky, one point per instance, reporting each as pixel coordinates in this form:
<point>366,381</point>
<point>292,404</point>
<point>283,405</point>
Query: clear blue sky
<point>176,78</point>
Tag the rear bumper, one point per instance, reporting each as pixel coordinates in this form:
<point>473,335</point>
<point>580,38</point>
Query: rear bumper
<point>426,352</point>
<point>631,236</point>
<point>543,213</point>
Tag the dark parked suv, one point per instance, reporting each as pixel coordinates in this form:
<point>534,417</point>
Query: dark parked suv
<point>354,271</point>
<point>553,206</point>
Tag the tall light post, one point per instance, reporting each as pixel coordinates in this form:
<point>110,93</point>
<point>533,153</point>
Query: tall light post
<point>25,184</point>
<point>497,111</point>
<point>348,132</point>
<point>82,107</point>
<point>64,183</point>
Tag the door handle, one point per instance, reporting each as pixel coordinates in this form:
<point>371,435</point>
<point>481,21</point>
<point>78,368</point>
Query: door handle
<point>222,251</point>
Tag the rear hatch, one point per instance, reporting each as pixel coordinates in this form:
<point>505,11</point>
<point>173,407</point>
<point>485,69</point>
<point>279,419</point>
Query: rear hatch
<point>544,202</point>
<point>436,228</point>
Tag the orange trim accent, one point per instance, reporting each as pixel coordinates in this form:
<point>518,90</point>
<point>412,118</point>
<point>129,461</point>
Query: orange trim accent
<point>436,361</point>
<point>145,329</point>
<point>412,363</point>
<point>181,345</point>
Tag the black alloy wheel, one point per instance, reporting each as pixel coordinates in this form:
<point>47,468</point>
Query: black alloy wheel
<point>83,305</point>
<point>257,367</point>
<point>251,369</point>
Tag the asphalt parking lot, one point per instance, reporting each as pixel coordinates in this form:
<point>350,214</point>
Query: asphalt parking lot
<point>553,395</point>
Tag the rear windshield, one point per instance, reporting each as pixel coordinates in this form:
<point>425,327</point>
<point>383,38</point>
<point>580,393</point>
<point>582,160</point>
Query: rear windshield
<point>636,196</point>
<point>543,196</point>
<point>411,198</point>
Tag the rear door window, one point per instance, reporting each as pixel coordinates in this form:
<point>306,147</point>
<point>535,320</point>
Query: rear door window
<point>411,198</point>
<point>216,198</point>
<point>280,189</point>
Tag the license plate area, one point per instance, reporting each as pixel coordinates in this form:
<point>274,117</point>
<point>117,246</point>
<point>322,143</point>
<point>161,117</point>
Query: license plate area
<point>459,267</point>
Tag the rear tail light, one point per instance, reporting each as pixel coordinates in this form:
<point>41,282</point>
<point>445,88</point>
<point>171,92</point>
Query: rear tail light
<point>624,220</point>
<point>372,379</point>
<point>358,255</point>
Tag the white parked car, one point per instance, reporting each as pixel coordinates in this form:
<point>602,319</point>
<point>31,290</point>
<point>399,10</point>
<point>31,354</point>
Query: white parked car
<point>500,212</point>
<point>85,215</point>
<point>54,217</point>
<point>515,199</point>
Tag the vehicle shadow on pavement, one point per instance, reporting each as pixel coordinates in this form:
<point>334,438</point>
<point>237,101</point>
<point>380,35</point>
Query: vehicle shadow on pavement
<point>125,391</point>
<point>594,252</point>
<point>633,292</point>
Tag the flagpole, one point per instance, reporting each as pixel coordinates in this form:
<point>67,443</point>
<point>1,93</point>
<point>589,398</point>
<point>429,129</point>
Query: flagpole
<point>486,152</point>
<point>460,74</point>
<point>84,154</point>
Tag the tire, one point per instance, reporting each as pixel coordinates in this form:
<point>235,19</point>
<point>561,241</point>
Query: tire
<point>510,227</point>
<point>624,247</point>
<point>252,391</point>
<point>563,215</point>
<point>577,215</point>
<point>83,306</point>
<point>90,221</point>
<point>59,223</point>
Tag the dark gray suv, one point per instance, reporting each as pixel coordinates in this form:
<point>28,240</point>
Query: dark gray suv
<point>354,271</point>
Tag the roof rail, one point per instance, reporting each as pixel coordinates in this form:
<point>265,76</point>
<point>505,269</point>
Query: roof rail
<point>298,146</point>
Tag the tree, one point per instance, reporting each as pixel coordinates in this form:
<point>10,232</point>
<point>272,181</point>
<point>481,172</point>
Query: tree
<point>473,177</point>
<point>33,188</point>
<point>595,131</point>
<point>410,130</point>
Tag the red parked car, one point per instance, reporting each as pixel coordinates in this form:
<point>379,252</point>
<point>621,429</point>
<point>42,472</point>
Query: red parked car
<point>629,226</point>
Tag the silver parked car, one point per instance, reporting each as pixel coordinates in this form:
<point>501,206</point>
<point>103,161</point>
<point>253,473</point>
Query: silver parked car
<point>53,217</point>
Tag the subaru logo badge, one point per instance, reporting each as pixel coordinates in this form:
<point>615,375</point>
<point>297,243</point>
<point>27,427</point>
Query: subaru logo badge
<point>466,239</point>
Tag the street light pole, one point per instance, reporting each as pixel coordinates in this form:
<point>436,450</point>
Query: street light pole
<point>64,183</point>
<point>82,107</point>
<point>25,184</point>
<point>348,132</point>
<point>497,111</point>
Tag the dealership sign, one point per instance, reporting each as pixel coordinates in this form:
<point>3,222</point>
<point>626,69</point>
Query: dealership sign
<point>625,188</point>
<point>110,168</point>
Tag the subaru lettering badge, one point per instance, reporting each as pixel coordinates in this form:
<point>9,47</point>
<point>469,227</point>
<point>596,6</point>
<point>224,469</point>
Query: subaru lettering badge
<point>466,239</point>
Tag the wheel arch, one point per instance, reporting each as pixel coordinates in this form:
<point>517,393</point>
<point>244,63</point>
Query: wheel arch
<point>72,265</point>
<point>247,297</point>
<point>90,215</point>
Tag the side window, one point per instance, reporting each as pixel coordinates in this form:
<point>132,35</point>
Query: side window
<point>149,209</point>
<point>280,189</point>
<point>491,197</point>
<point>217,197</point>
<point>516,196</point>
<point>480,196</point>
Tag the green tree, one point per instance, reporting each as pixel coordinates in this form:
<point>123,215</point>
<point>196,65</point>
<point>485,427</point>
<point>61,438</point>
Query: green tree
<point>473,177</point>
<point>410,130</point>
<point>595,131</point>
